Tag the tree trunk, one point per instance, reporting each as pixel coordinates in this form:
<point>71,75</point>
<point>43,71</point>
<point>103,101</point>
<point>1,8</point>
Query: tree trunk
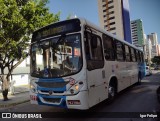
<point>5,87</point>
<point>5,94</point>
<point>6,81</point>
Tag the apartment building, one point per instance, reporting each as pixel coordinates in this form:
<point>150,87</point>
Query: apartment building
<point>114,17</point>
<point>154,43</point>
<point>137,33</point>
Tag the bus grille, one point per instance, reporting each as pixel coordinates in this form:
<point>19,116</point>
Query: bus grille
<point>52,100</point>
<point>52,84</point>
<point>44,91</point>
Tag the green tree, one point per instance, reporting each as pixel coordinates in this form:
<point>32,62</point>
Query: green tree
<point>18,19</point>
<point>156,60</point>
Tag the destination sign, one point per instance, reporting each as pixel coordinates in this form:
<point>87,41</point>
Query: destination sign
<point>57,29</point>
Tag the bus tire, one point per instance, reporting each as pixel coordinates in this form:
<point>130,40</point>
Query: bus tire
<point>112,91</point>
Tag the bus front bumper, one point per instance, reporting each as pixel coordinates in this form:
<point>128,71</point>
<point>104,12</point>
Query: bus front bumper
<point>78,101</point>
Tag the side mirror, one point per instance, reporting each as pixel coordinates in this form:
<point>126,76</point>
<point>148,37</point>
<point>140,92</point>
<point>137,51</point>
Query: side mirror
<point>94,42</point>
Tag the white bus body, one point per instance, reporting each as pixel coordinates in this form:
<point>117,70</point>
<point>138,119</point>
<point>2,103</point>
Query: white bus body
<point>98,78</point>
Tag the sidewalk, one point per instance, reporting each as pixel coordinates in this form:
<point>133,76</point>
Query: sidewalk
<point>15,99</point>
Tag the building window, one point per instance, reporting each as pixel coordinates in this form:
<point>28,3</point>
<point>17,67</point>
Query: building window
<point>110,1</point>
<point>104,10</point>
<point>134,27</point>
<point>112,23</point>
<point>133,22</point>
<point>104,5</point>
<point>112,12</point>
<point>110,7</point>
<point>134,35</point>
<point>112,28</point>
<point>134,30</point>
<point>134,38</point>
<point>111,18</point>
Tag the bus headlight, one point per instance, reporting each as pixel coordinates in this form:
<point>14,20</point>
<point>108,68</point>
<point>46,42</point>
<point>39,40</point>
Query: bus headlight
<point>76,88</point>
<point>33,88</point>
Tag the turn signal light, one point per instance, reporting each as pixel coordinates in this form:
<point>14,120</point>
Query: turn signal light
<point>32,97</point>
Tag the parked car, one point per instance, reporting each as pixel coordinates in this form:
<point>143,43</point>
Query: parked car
<point>148,71</point>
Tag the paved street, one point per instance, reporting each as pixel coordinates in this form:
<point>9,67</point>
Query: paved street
<point>141,98</point>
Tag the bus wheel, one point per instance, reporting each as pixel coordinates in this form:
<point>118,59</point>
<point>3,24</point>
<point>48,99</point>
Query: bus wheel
<point>111,93</point>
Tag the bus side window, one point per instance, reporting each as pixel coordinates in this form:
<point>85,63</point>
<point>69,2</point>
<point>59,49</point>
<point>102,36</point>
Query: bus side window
<point>94,53</point>
<point>137,55</point>
<point>130,53</point>
<point>142,57</point>
<point>87,51</point>
<point>97,51</point>
<point>133,55</point>
<point>108,48</point>
<point>127,53</point>
<point>119,51</point>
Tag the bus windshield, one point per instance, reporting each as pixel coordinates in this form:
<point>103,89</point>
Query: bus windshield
<point>56,57</point>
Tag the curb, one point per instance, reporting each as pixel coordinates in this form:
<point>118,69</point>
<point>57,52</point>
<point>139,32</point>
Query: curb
<point>13,104</point>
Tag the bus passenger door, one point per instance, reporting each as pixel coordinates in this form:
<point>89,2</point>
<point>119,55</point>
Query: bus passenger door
<point>95,72</point>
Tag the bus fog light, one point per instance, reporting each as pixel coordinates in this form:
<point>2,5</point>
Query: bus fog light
<point>72,91</point>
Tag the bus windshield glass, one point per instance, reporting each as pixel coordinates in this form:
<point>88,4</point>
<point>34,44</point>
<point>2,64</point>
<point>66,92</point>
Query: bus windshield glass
<point>56,57</point>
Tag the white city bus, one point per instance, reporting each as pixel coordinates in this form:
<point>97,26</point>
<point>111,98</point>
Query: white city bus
<point>97,66</point>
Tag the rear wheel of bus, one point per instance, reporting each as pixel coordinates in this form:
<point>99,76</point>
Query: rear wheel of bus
<point>112,90</point>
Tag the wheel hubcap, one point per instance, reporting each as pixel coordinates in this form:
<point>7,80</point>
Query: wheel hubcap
<point>111,91</point>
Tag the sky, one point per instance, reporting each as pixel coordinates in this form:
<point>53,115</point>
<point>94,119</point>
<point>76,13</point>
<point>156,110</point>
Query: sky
<point>146,10</point>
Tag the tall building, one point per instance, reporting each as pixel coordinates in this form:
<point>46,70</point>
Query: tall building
<point>158,49</point>
<point>137,33</point>
<point>148,51</point>
<point>145,49</point>
<point>114,17</point>
<point>153,38</point>
<point>154,42</point>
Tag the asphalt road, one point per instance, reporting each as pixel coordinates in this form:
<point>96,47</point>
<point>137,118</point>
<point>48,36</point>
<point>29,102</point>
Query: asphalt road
<point>138,100</point>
